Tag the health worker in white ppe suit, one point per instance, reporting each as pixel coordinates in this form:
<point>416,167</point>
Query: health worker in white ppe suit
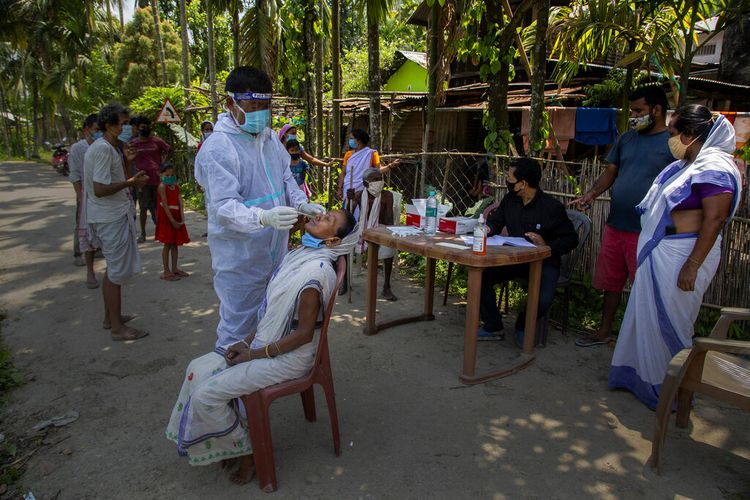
<point>252,201</point>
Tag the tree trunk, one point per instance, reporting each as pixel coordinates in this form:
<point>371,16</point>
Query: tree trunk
<point>687,60</point>
<point>159,44</point>
<point>309,50</point>
<point>6,122</point>
<point>211,60</point>
<point>122,17</point>
<point>496,116</point>
<point>185,61</point>
<point>319,89</point>
<point>34,114</point>
<point>432,77</point>
<point>336,77</point>
<point>538,77</point>
<point>236,33</point>
<point>373,75</point>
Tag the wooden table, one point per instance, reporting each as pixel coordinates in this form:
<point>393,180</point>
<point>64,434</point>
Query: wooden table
<point>496,256</point>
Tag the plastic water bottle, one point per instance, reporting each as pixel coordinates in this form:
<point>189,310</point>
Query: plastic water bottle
<point>430,225</point>
<point>480,237</point>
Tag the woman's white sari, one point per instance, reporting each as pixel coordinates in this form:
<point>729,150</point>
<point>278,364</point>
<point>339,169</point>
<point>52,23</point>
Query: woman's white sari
<point>205,421</point>
<point>659,318</point>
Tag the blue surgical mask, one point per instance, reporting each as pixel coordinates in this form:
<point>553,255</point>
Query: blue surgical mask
<point>310,241</point>
<point>126,134</point>
<point>255,121</point>
<point>96,135</point>
<point>169,179</point>
<point>291,137</point>
<point>352,144</point>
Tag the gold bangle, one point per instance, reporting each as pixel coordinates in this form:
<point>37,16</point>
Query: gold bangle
<point>245,342</point>
<point>695,261</point>
<point>267,355</point>
<point>277,348</point>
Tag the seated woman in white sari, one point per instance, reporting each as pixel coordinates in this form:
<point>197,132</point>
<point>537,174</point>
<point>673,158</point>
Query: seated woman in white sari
<point>679,249</point>
<point>205,421</point>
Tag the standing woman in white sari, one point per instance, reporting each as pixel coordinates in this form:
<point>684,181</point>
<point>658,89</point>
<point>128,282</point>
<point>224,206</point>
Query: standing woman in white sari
<point>679,249</point>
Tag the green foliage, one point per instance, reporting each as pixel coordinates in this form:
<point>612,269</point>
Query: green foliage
<point>9,376</point>
<point>198,25</point>
<point>607,93</point>
<point>744,152</point>
<point>354,65</point>
<point>137,56</point>
<point>193,198</point>
<point>149,104</point>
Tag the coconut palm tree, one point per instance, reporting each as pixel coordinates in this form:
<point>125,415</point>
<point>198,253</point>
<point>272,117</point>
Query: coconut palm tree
<point>159,44</point>
<point>376,11</point>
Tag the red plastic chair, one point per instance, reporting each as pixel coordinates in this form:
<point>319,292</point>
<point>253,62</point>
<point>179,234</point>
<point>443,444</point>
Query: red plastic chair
<point>258,403</point>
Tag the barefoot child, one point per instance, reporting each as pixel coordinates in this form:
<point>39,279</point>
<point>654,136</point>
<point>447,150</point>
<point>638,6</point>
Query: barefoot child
<point>170,228</point>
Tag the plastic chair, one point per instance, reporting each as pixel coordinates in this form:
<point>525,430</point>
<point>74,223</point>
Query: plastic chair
<point>712,367</point>
<point>257,404</point>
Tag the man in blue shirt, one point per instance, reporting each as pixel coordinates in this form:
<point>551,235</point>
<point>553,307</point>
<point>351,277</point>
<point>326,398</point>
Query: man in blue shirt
<point>634,161</point>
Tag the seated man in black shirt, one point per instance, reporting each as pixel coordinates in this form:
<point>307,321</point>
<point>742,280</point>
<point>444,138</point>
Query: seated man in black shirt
<point>526,211</point>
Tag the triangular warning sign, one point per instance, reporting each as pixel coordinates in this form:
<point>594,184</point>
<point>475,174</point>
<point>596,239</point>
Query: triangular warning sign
<point>168,114</point>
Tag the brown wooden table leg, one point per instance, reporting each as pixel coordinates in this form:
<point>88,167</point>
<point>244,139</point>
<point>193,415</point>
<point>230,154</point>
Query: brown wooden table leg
<point>532,306</point>
<point>472,320</point>
<point>429,288</point>
<point>372,287</point>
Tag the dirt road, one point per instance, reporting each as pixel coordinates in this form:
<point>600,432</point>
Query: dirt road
<point>409,428</point>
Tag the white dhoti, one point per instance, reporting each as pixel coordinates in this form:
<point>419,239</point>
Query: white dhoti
<point>119,246</point>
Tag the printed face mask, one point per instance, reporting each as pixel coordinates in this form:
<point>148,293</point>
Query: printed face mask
<point>375,187</point>
<point>677,148</point>
<point>641,123</point>
<point>352,144</point>
<point>311,241</point>
<point>126,134</point>
<point>169,179</point>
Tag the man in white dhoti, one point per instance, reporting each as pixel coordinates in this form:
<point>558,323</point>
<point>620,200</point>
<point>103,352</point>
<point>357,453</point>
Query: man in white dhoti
<point>205,421</point>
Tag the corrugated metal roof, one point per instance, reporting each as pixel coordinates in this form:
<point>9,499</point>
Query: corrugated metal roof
<point>416,57</point>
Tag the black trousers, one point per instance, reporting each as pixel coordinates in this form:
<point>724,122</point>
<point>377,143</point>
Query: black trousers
<point>488,311</point>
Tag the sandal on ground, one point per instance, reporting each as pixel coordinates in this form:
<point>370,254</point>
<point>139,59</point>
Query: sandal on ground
<point>483,334</point>
<point>91,285</point>
<point>133,334</point>
<point>181,273</point>
<point>590,341</point>
<point>123,319</point>
<point>169,277</point>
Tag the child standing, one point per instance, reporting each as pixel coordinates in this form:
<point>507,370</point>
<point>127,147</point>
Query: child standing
<point>170,225</point>
<point>298,166</point>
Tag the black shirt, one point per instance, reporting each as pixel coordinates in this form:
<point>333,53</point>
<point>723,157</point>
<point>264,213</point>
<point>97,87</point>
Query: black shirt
<point>543,215</point>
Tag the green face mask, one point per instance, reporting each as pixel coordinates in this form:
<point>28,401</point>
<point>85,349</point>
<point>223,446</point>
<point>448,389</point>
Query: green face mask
<point>169,179</point>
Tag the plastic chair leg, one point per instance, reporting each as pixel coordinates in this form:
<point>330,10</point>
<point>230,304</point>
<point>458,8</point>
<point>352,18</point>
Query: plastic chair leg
<point>684,404</point>
<point>447,282</point>
<point>259,428</point>
<point>308,403</point>
<point>327,386</point>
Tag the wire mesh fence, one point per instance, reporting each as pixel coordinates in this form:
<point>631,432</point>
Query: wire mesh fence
<point>465,180</point>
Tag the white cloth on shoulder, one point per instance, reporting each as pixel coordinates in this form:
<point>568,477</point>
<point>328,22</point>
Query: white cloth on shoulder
<point>205,421</point>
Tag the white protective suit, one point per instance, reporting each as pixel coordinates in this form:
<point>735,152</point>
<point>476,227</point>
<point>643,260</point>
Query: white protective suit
<point>240,174</point>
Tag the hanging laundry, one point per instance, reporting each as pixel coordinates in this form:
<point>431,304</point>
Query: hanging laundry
<point>596,126</point>
<point>562,122</point>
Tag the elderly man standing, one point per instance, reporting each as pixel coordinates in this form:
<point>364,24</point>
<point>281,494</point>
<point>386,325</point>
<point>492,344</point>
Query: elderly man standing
<point>252,201</point>
<point>635,160</point>
<point>111,215</point>
<point>90,130</point>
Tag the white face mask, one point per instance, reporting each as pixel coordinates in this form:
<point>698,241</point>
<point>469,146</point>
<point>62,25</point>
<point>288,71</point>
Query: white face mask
<point>375,187</point>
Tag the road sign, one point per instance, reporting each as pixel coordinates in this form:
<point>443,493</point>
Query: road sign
<point>168,114</point>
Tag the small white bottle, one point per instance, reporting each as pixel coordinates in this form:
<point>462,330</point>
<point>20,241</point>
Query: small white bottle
<point>430,225</point>
<point>480,237</point>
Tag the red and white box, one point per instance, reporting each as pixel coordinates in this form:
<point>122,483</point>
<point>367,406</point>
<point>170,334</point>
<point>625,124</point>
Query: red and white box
<point>457,225</point>
<point>412,217</point>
